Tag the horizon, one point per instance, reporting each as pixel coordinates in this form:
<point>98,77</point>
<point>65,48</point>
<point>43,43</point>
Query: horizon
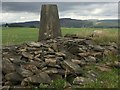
<point>59,18</point>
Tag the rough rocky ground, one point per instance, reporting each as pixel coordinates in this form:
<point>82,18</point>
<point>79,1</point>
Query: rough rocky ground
<point>35,63</point>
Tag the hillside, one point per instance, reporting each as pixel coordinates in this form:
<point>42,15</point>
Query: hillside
<point>106,23</point>
<point>72,23</point>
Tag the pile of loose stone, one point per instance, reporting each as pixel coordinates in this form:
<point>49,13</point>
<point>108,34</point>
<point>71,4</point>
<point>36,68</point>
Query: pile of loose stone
<point>65,58</point>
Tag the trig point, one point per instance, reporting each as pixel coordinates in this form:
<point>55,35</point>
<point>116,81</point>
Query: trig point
<point>49,22</point>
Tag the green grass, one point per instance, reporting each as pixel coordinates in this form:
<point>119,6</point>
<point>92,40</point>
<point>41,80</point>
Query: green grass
<point>18,35</point>
<point>105,80</point>
<point>11,36</point>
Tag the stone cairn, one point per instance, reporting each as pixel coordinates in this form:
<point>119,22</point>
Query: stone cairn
<point>35,63</point>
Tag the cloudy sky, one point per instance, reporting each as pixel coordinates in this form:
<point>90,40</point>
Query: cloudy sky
<point>30,11</point>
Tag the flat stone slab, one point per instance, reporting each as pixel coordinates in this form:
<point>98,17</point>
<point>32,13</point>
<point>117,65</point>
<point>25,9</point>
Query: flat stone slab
<point>39,78</point>
<point>71,66</point>
<point>7,66</point>
<point>23,72</point>
<point>27,55</point>
<point>13,77</point>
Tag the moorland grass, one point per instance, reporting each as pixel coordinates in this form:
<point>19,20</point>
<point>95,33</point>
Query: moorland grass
<point>18,35</point>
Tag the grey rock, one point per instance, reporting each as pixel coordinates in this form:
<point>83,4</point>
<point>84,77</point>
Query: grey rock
<point>83,54</point>
<point>11,59</point>
<point>61,54</point>
<point>50,50</point>
<point>112,50</point>
<point>31,49</point>
<point>113,44</point>
<point>78,40</point>
<point>51,41</point>
<point>50,61</point>
<point>30,67</point>
<point>7,66</point>
<point>81,50</point>
<point>23,72</point>
<point>88,42</point>
<point>34,44</point>
<point>51,71</point>
<point>74,49</point>
<point>116,64</point>
<point>27,55</point>
<point>54,66</point>
<point>50,53</point>
<point>98,48</point>
<point>70,78</point>
<point>92,75</point>
<point>63,72</point>
<point>39,64</point>
<point>49,56</point>
<point>54,46</point>
<point>79,62</point>
<point>13,77</point>
<point>17,61</point>
<point>90,59</point>
<point>22,49</point>
<point>45,68</point>
<point>24,82</point>
<point>39,78</point>
<point>5,88</point>
<point>97,54</point>
<point>80,80</point>
<point>59,59</point>
<point>71,66</point>
<point>8,83</point>
<point>37,55</point>
<point>55,76</point>
<point>37,59</point>
<point>37,52</point>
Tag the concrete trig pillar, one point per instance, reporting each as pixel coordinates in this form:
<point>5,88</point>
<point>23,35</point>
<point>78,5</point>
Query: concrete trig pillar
<point>49,22</point>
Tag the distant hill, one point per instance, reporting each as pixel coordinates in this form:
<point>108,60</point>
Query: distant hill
<point>72,23</point>
<point>68,22</point>
<point>24,24</point>
<point>106,23</point>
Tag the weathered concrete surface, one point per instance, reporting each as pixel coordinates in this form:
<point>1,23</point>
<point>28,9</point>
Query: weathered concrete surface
<point>49,22</point>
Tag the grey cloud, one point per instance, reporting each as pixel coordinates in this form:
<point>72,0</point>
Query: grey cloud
<point>35,6</point>
<point>86,9</point>
<point>65,8</point>
<point>20,7</point>
<point>61,1</point>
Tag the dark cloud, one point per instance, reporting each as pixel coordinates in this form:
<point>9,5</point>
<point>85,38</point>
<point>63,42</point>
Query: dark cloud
<point>20,7</point>
<point>61,1</point>
<point>35,6</point>
<point>16,10</point>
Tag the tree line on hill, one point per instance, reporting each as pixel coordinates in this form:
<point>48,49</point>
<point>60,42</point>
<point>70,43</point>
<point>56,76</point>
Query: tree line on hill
<point>70,23</point>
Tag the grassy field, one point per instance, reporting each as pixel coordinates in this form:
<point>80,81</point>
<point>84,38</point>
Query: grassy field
<point>11,36</point>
